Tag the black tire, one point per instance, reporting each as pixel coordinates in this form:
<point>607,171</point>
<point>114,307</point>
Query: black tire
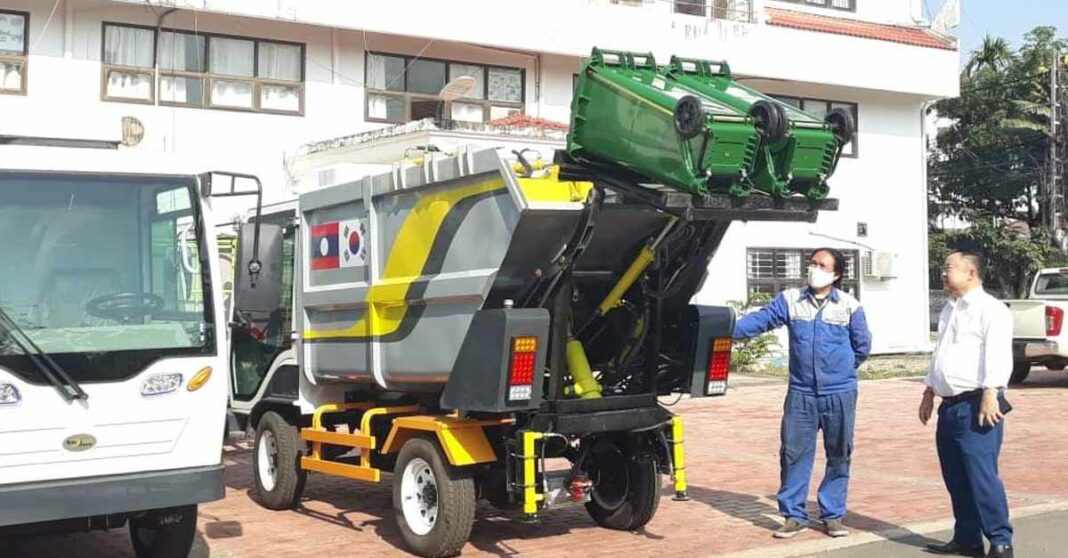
<point>769,119</point>
<point>164,533</point>
<point>1056,366</point>
<point>689,117</point>
<point>842,125</point>
<point>626,490</point>
<point>1020,371</point>
<point>453,498</point>
<point>289,478</point>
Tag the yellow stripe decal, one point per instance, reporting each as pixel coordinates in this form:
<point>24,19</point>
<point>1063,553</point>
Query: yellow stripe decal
<point>386,299</point>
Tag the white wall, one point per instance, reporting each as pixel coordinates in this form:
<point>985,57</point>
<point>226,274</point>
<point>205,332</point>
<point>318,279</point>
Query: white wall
<point>573,27</point>
<point>63,97</point>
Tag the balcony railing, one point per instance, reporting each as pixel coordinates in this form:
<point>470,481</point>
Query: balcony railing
<point>730,10</point>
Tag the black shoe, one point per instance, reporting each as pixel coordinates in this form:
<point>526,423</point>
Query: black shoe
<point>1000,551</point>
<point>953,548</point>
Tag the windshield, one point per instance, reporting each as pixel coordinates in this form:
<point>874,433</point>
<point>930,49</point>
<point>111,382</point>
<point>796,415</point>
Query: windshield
<point>102,272</point>
<point>1052,284</point>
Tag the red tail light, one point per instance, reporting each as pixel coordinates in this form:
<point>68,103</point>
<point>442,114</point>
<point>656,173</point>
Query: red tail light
<point>719,365</point>
<point>521,373</point>
<point>1054,321</point>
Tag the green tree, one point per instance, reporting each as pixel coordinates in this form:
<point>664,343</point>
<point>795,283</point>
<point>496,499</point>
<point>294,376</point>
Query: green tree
<point>991,159</point>
<point>995,54</point>
<point>1012,256</point>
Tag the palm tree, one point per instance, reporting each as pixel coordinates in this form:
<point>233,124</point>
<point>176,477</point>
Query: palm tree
<point>995,54</point>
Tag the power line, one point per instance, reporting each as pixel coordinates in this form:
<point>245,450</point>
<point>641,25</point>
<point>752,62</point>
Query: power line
<point>1003,83</point>
<point>1016,173</point>
<point>994,149</point>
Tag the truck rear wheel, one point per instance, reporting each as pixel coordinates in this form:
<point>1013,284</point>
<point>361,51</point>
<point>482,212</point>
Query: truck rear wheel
<point>626,489</point>
<point>164,533</point>
<point>1020,370</point>
<point>279,480</point>
<point>433,502</point>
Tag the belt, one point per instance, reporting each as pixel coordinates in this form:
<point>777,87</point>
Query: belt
<point>966,396</point>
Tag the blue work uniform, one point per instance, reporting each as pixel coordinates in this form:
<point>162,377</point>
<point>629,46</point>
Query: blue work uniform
<point>829,339</point>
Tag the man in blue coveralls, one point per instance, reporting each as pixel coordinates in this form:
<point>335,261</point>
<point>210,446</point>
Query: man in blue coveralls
<point>829,339</point>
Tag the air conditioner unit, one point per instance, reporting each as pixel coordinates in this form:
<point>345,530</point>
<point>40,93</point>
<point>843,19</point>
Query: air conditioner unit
<point>879,264</point>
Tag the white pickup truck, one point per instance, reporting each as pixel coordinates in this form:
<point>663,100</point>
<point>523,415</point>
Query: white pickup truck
<point>1039,336</point>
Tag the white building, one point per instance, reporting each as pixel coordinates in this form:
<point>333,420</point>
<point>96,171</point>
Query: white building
<point>237,84</point>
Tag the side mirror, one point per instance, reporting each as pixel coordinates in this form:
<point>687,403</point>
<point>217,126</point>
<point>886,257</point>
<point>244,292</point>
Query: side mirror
<point>249,185</point>
<point>258,284</point>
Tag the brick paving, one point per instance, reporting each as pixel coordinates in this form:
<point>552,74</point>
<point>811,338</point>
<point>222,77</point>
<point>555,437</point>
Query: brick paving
<point>732,446</point>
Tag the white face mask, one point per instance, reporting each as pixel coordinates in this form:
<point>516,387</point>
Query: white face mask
<point>818,278</point>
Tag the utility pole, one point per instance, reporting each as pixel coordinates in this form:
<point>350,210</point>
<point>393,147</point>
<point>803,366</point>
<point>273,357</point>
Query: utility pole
<point>1053,191</point>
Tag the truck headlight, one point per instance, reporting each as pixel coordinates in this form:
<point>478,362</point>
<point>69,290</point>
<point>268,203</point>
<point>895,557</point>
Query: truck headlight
<point>160,384</point>
<point>9,394</point>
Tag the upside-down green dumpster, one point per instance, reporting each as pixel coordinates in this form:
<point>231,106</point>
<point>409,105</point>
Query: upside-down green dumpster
<point>628,115</point>
<point>798,151</point>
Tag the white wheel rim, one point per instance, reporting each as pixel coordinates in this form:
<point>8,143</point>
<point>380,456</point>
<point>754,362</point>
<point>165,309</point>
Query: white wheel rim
<point>267,459</point>
<point>419,496</point>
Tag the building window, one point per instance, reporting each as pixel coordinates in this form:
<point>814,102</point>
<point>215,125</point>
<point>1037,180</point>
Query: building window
<point>733,10</point>
<point>844,5</point>
<point>773,270</point>
<point>14,45</point>
<point>820,108</point>
<point>202,70</point>
<point>691,7</point>
<point>403,88</point>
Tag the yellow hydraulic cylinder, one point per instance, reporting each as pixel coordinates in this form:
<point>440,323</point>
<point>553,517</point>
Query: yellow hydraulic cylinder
<point>585,386</point>
<point>634,271</point>
<point>679,460</point>
<point>637,267</point>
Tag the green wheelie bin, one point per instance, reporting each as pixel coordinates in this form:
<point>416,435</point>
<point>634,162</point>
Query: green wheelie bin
<point>798,151</point>
<point>626,115</point>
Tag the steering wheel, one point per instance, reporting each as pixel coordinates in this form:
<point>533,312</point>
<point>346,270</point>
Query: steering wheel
<point>124,307</point>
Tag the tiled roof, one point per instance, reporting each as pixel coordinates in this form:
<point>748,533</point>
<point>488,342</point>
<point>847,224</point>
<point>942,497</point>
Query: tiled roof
<point>840,26</point>
<point>524,121</point>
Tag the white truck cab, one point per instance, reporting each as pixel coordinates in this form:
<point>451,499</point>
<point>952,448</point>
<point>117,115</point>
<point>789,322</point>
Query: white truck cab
<point>113,385</point>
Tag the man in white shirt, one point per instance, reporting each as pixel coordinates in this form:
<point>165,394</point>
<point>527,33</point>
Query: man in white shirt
<point>971,366</point>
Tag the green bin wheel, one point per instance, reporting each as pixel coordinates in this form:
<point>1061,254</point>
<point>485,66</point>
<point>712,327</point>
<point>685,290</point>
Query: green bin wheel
<point>770,120</point>
<point>689,118</point>
<point>842,125</point>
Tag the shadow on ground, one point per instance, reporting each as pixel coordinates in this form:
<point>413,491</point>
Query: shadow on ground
<point>760,513</point>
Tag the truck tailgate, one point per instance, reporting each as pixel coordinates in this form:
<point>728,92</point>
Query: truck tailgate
<point>1028,318</point>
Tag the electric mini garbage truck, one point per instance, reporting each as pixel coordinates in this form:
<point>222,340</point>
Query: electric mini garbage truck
<point>461,322</point>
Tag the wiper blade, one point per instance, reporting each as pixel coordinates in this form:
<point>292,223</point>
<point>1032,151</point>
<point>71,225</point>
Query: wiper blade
<point>49,368</point>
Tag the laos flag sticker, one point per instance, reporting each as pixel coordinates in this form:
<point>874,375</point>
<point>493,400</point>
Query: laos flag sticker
<point>338,244</point>
<point>324,246</point>
<point>352,241</point>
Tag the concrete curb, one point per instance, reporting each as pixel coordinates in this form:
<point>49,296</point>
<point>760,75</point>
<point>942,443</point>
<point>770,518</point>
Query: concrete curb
<point>860,538</point>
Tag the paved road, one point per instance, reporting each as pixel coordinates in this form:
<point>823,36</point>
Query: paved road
<point>732,460</point>
<point>1041,536</point>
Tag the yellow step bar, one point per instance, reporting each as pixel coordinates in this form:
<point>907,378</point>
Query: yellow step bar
<point>363,440</point>
<point>463,440</point>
